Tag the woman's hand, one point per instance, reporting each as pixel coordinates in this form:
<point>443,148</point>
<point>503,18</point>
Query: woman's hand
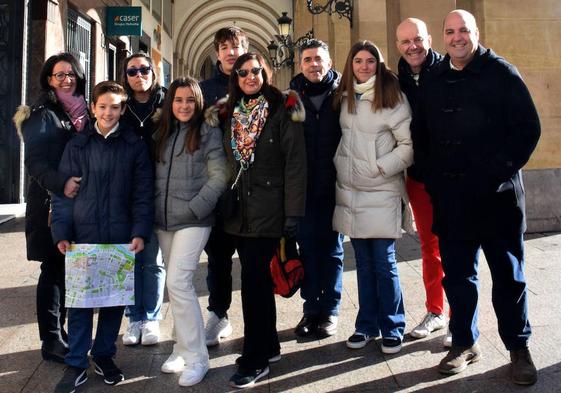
<point>137,244</point>
<point>72,186</point>
<point>63,245</point>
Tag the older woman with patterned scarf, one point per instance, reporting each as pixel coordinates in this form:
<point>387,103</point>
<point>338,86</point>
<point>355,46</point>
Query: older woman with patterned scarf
<point>266,151</point>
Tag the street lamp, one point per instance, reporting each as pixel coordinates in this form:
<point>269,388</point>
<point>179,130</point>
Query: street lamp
<point>282,54</point>
<point>344,8</point>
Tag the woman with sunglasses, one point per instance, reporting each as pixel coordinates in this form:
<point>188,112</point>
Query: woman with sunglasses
<point>145,99</point>
<point>266,152</point>
<point>46,127</point>
<point>371,158</point>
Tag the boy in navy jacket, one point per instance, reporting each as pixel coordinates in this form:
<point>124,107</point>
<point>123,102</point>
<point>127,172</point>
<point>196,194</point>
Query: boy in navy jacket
<point>114,205</point>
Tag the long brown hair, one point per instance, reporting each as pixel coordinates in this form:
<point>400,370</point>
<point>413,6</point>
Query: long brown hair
<point>387,93</point>
<point>168,122</point>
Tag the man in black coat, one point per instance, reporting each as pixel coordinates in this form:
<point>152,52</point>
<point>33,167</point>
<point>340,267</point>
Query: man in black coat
<point>474,129</point>
<point>416,61</point>
<point>229,44</point>
<point>321,248</point>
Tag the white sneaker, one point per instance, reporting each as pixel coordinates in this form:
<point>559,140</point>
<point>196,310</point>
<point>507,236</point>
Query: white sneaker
<point>150,332</point>
<point>174,364</point>
<point>429,324</point>
<point>132,334</point>
<point>193,374</point>
<point>447,340</point>
<point>216,329</point>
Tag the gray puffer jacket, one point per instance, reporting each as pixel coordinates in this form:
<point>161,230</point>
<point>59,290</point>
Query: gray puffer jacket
<point>188,185</point>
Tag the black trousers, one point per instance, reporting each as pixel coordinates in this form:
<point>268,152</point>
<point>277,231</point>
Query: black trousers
<point>51,312</point>
<point>220,248</point>
<point>258,302</point>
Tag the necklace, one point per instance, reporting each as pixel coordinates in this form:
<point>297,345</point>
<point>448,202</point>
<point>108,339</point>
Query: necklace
<point>138,118</point>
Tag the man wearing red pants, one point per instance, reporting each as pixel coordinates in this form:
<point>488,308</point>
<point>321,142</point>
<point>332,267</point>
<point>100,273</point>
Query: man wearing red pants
<point>417,59</point>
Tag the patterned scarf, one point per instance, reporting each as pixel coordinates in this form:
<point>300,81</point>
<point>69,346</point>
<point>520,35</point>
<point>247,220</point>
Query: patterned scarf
<point>248,121</point>
<point>75,107</point>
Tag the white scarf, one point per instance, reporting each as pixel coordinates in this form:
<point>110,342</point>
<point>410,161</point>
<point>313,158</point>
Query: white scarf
<point>366,87</point>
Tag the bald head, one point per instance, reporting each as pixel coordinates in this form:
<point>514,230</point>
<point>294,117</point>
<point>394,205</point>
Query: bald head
<point>413,42</point>
<point>461,37</point>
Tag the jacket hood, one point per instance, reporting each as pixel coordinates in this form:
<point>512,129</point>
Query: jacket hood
<point>299,81</point>
<point>23,112</point>
<point>433,58</point>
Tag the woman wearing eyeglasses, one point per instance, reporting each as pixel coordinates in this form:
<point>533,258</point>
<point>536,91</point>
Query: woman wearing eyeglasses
<point>374,150</point>
<point>266,152</point>
<point>143,107</point>
<point>46,127</point>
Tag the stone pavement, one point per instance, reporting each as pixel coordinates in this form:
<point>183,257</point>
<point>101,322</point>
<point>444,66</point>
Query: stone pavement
<point>307,365</point>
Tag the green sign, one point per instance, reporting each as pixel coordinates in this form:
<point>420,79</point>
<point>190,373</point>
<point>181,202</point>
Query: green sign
<point>124,21</point>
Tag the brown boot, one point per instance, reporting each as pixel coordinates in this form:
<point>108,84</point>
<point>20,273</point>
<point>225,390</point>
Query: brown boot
<point>458,359</point>
<point>523,370</point>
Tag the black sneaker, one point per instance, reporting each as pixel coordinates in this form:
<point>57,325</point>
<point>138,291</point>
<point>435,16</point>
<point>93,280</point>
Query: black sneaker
<point>327,326</point>
<point>105,367</point>
<point>244,378</point>
<point>358,340</point>
<point>391,345</point>
<point>72,378</point>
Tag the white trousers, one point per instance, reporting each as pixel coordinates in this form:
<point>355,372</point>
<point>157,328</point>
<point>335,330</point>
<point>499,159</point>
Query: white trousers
<point>182,250</point>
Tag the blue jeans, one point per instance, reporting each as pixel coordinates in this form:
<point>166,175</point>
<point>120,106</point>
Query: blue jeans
<point>505,257</point>
<point>379,292</point>
<point>149,281</point>
<point>80,323</point>
<point>321,250</point>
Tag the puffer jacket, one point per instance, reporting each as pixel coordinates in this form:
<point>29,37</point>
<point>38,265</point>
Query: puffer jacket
<point>274,186</point>
<point>215,87</point>
<point>189,185</point>
<point>374,151</point>
<point>45,128</point>
<point>116,198</point>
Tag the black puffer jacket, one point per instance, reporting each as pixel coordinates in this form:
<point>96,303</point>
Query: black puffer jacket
<point>322,133</point>
<point>116,198</point>
<point>45,129</point>
<point>274,186</point>
<point>473,131</point>
<point>410,87</point>
<point>215,87</point>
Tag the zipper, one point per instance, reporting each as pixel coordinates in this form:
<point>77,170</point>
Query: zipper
<point>167,180</point>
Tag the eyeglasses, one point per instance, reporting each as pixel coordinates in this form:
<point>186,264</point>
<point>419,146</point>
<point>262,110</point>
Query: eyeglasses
<point>60,76</point>
<point>134,71</point>
<point>255,71</point>
<point>417,41</point>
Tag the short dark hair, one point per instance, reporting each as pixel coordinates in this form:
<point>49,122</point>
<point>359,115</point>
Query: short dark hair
<point>49,65</point>
<point>231,33</point>
<point>124,74</point>
<point>108,87</point>
<point>312,43</point>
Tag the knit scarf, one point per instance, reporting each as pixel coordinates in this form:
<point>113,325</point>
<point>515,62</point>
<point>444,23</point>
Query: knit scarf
<point>248,120</point>
<point>75,107</point>
<point>314,89</point>
<point>366,87</point>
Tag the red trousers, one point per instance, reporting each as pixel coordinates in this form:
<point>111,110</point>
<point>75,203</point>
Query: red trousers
<point>430,253</point>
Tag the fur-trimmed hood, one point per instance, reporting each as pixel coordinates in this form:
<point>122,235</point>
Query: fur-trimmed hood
<point>218,112</point>
<point>23,112</point>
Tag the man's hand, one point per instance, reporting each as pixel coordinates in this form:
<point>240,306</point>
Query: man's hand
<point>72,186</point>
<point>137,244</point>
<point>63,245</point>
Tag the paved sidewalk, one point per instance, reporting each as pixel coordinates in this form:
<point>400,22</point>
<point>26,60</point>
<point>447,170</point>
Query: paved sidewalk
<point>306,365</point>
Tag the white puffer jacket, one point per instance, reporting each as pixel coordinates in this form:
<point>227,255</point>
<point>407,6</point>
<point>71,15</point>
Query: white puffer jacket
<point>374,151</point>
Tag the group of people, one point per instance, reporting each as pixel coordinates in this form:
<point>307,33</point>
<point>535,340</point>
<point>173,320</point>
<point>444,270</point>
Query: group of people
<point>233,164</point>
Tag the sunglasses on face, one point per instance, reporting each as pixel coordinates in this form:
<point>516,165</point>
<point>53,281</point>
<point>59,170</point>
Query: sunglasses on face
<point>134,71</point>
<point>255,71</point>
<point>61,76</point>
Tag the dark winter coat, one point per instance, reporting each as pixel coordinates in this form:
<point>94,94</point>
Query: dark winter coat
<point>410,87</point>
<point>45,129</point>
<point>274,186</point>
<point>215,87</point>
<point>473,131</point>
<point>322,133</point>
<point>116,198</point>
<point>188,185</point>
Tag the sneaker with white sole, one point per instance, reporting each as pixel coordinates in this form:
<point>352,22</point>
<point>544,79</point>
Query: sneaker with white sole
<point>216,329</point>
<point>72,378</point>
<point>173,364</point>
<point>245,378</point>
<point>391,345</point>
<point>447,340</point>
<point>150,332</point>
<point>358,340</point>
<point>132,334</point>
<point>429,324</point>
<point>193,374</point>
